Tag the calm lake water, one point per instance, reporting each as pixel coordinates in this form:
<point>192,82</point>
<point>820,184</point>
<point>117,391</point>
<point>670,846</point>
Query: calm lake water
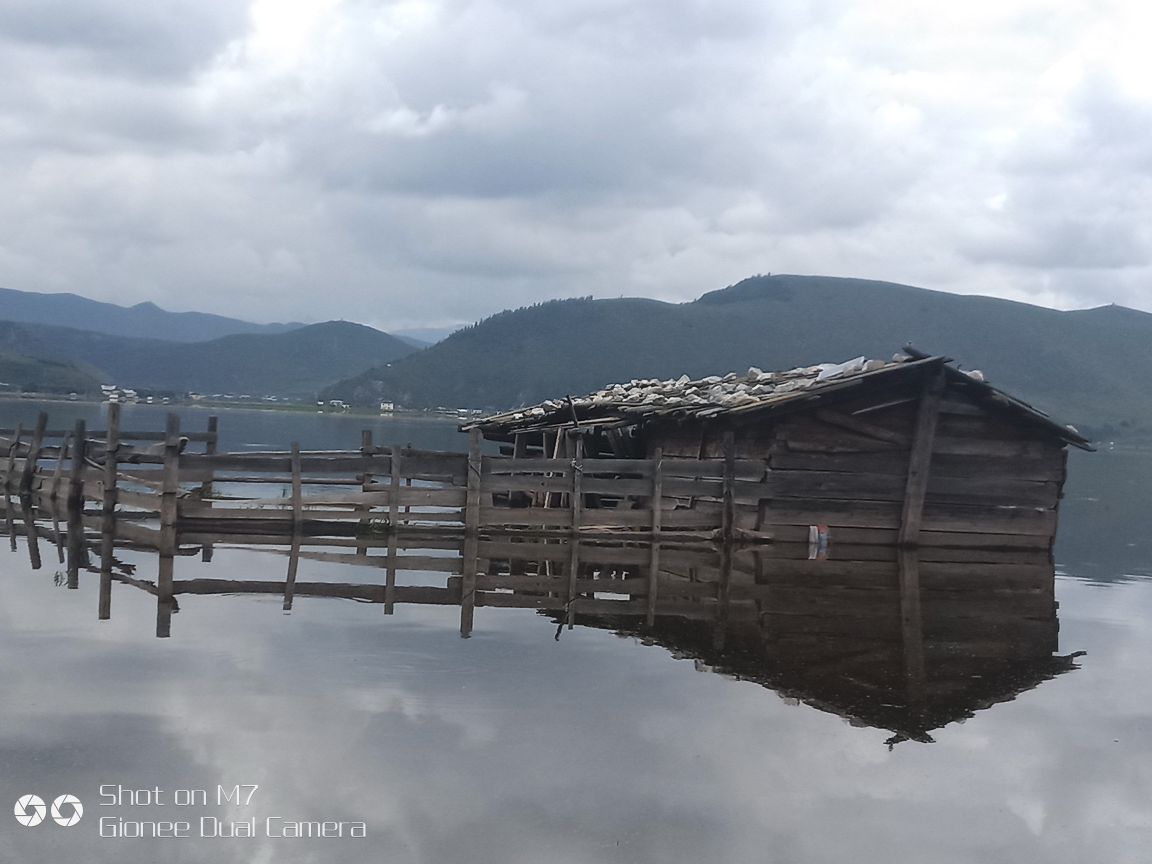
<point>513,746</point>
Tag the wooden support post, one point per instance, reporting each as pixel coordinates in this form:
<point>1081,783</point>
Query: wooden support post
<point>471,536</point>
<point>58,471</point>
<point>394,485</point>
<point>33,456</point>
<point>10,465</point>
<point>76,481</point>
<point>367,448</point>
<point>32,537</point>
<point>207,488</point>
<point>729,512</point>
<point>472,498</point>
<point>576,496</point>
<point>920,459</point>
<point>577,504</point>
<point>108,510</point>
<point>657,516</point>
<point>169,513</point>
<point>297,490</point>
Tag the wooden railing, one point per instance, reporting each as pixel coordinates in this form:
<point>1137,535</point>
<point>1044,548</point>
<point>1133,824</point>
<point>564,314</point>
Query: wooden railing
<point>369,490</point>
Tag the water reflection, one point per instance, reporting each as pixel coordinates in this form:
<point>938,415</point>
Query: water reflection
<point>895,643</point>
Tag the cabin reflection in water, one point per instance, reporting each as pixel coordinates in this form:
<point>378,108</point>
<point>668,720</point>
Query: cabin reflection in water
<point>905,642</point>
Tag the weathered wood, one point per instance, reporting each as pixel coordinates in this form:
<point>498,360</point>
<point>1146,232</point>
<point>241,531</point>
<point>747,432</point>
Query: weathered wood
<point>33,453</point>
<point>472,507</point>
<point>293,570</point>
<point>911,622</point>
<point>76,477</point>
<point>862,427</point>
<point>10,467</point>
<point>890,487</point>
<point>168,504</point>
<point>576,469</point>
<point>728,515</point>
<point>297,492</point>
<point>920,460</point>
<point>895,463</point>
<point>657,524</point>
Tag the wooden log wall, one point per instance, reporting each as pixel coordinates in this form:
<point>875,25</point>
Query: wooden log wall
<point>982,480</point>
<point>839,477</point>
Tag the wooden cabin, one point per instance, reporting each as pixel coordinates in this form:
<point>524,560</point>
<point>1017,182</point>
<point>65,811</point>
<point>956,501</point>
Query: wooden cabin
<point>911,452</point>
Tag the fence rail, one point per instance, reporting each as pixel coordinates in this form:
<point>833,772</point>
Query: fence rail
<point>181,478</point>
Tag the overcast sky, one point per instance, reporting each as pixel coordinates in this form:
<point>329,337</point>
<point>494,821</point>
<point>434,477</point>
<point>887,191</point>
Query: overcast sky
<point>428,163</point>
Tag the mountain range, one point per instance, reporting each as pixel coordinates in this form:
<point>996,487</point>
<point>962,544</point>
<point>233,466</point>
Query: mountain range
<point>72,310</point>
<point>1090,367</point>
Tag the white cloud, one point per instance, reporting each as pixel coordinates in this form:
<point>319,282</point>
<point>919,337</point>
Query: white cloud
<point>422,156</point>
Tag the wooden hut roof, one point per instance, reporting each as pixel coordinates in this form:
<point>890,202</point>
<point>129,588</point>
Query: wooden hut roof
<point>735,394</point>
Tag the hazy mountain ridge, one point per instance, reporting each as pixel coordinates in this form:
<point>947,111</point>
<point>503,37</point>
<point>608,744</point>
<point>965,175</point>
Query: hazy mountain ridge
<point>82,313</point>
<point>296,363</point>
<point>1087,366</point>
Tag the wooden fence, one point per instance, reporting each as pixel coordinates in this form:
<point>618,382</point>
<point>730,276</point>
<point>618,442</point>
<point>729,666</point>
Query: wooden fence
<point>184,482</point>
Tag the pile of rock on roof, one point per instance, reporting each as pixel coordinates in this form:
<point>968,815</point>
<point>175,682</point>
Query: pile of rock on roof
<point>704,396</point>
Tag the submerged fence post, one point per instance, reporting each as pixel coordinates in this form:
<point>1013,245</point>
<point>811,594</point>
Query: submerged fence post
<point>10,466</point>
<point>207,488</point>
<point>58,471</point>
<point>657,517</point>
<point>366,450</point>
<point>397,461</point>
<point>33,456</point>
<point>471,535</point>
<point>108,514</point>
<point>79,453</point>
<point>169,512</point>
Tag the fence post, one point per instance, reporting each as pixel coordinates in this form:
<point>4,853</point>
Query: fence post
<point>33,454</point>
<point>79,452</point>
<point>10,467</point>
<point>366,450</point>
<point>169,512</point>
<point>471,536</point>
<point>657,517</point>
<point>108,511</point>
<point>397,461</point>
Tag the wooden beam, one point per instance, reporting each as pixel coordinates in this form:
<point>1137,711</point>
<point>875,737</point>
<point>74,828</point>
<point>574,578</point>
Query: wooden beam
<point>862,427</point>
<point>657,514</point>
<point>33,454</point>
<point>108,512</point>
<point>76,482</point>
<point>920,459</point>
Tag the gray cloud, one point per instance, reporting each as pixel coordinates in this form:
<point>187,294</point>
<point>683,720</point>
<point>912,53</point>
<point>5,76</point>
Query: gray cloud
<point>431,162</point>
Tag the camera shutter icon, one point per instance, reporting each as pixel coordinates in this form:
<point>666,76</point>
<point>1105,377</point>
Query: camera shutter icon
<point>67,811</point>
<point>29,810</point>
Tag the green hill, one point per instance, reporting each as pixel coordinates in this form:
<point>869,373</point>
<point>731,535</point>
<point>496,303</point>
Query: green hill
<point>295,364</point>
<point>30,374</point>
<point>1090,367</point>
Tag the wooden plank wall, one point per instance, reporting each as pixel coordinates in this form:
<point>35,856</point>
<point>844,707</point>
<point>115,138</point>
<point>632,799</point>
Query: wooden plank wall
<point>989,483</point>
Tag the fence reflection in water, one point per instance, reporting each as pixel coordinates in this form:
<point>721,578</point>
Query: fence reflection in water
<point>898,643</point>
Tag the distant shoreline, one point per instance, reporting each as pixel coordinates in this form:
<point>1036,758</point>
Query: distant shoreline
<point>230,405</point>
